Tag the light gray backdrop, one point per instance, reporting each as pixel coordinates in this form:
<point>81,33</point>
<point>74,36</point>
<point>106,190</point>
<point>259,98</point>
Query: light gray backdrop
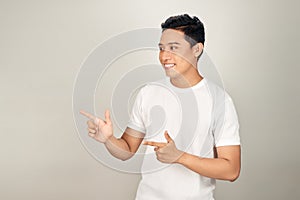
<point>254,44</point>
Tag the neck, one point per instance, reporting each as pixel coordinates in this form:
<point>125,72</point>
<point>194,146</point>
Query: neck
<point>187,80</point>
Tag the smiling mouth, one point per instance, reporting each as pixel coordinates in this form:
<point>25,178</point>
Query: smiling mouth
<point>169,66</point>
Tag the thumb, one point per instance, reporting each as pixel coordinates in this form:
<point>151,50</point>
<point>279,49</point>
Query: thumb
<point>107,117</point>
<point>167,136</point>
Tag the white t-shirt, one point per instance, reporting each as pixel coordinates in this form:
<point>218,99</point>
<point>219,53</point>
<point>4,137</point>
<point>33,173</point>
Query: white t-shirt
<point>198,119</point>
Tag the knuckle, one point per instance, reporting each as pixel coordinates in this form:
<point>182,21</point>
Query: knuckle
<point>89,123</point>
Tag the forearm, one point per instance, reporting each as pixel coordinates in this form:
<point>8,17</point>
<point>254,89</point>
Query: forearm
<point>119,148</point>
<point>218,168</point>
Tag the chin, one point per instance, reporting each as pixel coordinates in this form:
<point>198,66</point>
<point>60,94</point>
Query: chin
<point>172,74</point>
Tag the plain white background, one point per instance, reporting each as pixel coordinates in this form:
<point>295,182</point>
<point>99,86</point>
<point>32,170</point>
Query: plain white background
<point>254,44</point>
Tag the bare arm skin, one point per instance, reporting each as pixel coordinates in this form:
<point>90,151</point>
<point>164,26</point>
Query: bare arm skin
<point>125,147</point>
<point>225,167</point>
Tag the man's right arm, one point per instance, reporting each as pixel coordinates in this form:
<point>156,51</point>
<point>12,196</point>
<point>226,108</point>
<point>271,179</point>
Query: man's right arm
<point>125,147</point>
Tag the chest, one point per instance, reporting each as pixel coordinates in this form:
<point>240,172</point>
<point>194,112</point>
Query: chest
<point>186,116</point>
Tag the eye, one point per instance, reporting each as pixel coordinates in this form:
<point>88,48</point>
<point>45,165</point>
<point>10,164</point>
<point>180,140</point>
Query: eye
<point>172,48</point>
<point>161,49</point>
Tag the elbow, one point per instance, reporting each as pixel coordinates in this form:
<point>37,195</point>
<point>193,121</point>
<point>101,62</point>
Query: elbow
<point>124,159</point>
<point>126,156</point>
<point>234,176</point>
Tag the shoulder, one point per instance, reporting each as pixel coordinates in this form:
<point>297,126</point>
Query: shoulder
<point>217,92</point>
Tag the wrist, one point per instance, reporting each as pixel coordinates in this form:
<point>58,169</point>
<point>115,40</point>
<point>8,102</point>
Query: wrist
<point>109,139</point>
<point>182,158</point>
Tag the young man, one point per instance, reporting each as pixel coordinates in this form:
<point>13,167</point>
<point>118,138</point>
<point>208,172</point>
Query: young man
<point>198,141</point>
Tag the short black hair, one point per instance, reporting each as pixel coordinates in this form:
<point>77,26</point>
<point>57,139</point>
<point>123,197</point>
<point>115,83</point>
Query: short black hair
<point>192,28</point>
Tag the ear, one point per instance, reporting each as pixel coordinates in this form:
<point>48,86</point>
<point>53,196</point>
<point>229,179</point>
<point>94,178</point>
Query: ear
<point>197,49</point>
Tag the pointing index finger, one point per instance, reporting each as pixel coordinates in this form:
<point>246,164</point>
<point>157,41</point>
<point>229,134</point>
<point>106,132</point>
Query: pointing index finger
<point>88,115</point>
<point>156,144</point>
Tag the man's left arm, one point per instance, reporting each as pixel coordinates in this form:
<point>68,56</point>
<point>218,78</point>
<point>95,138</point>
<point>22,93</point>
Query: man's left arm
<point>226,165</point>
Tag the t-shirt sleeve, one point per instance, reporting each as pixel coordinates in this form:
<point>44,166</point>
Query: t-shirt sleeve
<point>226,129</point>
<point>136,121</point>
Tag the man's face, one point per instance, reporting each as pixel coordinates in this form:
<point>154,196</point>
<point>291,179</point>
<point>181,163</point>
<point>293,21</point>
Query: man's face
<point>176,54</point>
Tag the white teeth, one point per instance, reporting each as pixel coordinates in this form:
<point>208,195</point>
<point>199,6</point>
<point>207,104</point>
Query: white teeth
<point>169,65</point>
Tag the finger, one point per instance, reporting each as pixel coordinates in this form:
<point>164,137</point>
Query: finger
<point>167,136</point>
<point>91,124</point>
<point>92,135</point>
<point>107,117</point>
<point>155,144</point>
<point>93,131</point>
<point>88,115</point>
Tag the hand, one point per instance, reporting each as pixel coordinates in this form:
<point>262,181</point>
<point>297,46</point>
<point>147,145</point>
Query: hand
<point>166,152</point>
<point>99,129</point>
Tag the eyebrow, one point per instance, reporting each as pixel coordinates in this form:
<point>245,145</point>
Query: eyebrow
<point>170,43</point>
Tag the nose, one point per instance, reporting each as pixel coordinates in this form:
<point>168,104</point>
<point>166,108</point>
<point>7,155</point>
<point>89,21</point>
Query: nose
<point>165,55</point>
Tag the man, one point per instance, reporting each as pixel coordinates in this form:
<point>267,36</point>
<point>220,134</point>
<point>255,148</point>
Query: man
<point>199,139</point>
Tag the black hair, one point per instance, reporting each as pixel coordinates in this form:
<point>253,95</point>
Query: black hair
<point>192,28</point>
